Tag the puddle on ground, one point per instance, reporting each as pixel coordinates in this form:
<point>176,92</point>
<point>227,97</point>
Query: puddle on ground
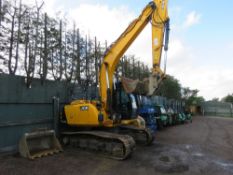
<point>227,166</point>
<point>182,158</point>
<point>172,161</point>
<point>198,154</point>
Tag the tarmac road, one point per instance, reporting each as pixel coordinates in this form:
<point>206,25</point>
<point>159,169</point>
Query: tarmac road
<point>213,134</point>
<point>202,147</point>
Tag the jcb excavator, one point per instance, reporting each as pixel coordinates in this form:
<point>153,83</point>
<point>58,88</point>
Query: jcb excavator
<point>110,126</point>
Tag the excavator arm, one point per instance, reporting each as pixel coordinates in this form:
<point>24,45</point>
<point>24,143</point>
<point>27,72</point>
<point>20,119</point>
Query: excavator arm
<point>160,39</point>
<point>160,34</point>
<point>156,13</point>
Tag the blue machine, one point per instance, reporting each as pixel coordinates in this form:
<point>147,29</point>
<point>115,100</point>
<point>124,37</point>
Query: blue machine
<point>147,112</point>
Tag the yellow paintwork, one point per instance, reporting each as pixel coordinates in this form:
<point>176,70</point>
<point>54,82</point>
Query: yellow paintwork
<point>85,113</point>
<point>138,122</point>
<point>89,117</point>
<point>157,16</point>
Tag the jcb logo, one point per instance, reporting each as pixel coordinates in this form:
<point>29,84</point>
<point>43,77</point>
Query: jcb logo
<point>84,108</point>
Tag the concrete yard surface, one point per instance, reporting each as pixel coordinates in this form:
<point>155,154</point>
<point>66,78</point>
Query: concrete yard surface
<point>202,147</point>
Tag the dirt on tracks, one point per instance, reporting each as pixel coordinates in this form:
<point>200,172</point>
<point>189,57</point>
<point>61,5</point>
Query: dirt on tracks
<point>202,147</point>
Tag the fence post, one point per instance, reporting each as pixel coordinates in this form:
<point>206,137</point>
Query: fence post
<point>56,111</point>
<point>231,110</point>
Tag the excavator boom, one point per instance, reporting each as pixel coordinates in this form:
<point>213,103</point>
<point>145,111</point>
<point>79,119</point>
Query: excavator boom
<point>156,13</point>
<point>118,48</point>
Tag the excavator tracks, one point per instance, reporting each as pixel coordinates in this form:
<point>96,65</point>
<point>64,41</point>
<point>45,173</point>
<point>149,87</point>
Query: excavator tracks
<point>107,144</point>
<point>142,136</point>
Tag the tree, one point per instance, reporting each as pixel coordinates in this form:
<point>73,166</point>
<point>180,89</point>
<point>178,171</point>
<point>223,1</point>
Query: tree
<point>28,66</point>
<point>57,53</point>
<point>45,51</point>
<point>44,47</point>
<point>187,93</point>
<point>170,88</point>
<point>215,99</point>
<point>12,69</point>
<point>228,98</point>
<point>97,59</point>
<point>131,68</point>
<point>0,12</point>
<point>194,100</point>
<point>36,37</point>
<point>190,96</point>
<point>4,35</point>
<point>19,33</point>
<point>78,58</point>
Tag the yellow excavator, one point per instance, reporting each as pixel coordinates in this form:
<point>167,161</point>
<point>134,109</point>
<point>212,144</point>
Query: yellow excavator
<point>110,125</point>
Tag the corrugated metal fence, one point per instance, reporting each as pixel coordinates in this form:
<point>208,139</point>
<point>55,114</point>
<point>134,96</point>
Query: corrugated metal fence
<point>212,108</point>
<point>25,109</point>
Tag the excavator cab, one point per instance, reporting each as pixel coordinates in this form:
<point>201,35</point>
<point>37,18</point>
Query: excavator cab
<point>124,104</point>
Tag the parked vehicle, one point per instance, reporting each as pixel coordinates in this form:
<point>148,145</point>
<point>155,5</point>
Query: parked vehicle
<point>147,112</point>
<point>161,116</point>
<point>171,115</point>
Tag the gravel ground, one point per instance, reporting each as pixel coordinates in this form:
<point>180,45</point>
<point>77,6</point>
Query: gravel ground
<point>202,147</point>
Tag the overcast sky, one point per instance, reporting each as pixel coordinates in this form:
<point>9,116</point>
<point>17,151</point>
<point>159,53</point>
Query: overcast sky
<point>201,46</point>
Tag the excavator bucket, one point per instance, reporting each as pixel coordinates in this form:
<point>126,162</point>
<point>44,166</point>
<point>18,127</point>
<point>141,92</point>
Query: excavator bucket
<point>40,143</point>
<point>134,86</point>
<point>146,87</point>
